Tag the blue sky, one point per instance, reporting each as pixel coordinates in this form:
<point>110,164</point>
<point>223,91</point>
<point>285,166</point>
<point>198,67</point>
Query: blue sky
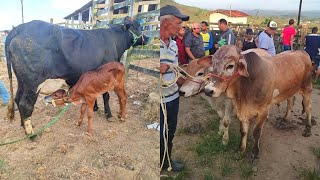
<point>10,10</point>
<point>254,4</point>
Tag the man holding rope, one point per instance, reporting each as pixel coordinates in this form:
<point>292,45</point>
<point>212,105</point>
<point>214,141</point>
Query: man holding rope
<point>170,23</point>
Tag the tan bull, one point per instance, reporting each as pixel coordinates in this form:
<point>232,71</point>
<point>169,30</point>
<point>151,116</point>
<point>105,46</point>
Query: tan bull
<point>254,84</point>
<point>199,69</point>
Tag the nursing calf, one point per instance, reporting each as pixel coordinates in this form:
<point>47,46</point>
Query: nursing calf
<point>254,84</point>
<point>90,85</point>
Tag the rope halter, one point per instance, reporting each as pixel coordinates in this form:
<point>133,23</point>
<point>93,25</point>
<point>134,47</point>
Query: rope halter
<point>135,37</point>
<point>223,78</point>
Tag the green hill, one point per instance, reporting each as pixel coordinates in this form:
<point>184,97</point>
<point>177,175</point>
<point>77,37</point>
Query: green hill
<point>196,14</point>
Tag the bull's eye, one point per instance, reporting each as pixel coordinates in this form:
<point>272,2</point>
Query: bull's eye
<point>200,74</point>
<point>230,66</point>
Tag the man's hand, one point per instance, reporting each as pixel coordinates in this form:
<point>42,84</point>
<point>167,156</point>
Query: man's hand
<point>164,68</point>
<point>180,81</point>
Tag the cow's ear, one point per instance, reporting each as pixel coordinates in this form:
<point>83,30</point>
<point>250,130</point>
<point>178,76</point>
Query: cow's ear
<point>205,61</point>
<point>242,67</point>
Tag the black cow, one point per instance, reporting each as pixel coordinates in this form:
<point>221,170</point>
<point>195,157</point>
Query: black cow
<point>38,51</point>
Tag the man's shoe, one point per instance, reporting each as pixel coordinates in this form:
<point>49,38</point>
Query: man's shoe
<point>176,167</point>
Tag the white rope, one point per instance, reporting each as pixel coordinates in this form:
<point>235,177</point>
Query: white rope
<point>166,84</point>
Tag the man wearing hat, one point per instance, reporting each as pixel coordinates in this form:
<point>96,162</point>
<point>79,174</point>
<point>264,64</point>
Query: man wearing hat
<point>170,23</point>
<point>248,42</point>
<point>266,38</point>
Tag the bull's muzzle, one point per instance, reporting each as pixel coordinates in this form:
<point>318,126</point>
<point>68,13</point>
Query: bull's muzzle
<point>208,92</point>
<point>182,93</point>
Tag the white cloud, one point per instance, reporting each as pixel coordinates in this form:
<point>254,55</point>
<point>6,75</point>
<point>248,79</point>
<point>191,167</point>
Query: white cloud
<point>68,5</point>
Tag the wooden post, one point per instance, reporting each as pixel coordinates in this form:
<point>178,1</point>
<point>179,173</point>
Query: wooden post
<point>110,11</point>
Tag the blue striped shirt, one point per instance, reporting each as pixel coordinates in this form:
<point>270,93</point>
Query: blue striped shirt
<point>169,55</point>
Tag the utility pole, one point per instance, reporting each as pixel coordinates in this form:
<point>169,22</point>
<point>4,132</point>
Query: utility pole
<point>22,10</point>
<point>299,14</point>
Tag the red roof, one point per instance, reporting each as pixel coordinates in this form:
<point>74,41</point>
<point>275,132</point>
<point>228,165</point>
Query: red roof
<point>231,13</point>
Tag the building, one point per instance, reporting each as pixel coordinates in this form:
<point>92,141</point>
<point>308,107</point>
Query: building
<point>232,16</point>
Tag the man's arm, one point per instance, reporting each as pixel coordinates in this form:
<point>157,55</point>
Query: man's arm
<point>189,53</point>
<point>187,44</point>
<point>291,41</point>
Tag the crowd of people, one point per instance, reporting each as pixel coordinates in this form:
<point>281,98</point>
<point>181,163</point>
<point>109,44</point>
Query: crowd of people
<point>180,45</point>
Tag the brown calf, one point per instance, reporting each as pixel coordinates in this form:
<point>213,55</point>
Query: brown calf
<point>90,85</point>
<point>254,84</point>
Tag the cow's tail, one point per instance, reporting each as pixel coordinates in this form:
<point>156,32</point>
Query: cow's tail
<point>11,35</point>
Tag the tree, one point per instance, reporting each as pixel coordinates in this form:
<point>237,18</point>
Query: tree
<point>266,21</point>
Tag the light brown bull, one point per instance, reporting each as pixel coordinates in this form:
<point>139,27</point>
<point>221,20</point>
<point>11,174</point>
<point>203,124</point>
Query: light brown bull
<point>254,84</point>
<point>199,68</point>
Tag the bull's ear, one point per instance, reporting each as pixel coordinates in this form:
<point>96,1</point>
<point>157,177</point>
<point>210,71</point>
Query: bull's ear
<point>242,67</point>
<point>205,61</point>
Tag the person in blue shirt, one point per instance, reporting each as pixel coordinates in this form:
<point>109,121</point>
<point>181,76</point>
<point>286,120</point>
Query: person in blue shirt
<point>4,94</point>
<point>312,44</point>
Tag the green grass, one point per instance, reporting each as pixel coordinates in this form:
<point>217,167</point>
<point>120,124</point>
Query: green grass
<point>316,84</point>
<point>316,151</point>
<point>2,165</point>
<point>226,168</point>
<point>208,176</point>
<point>246,170</point>
<point>310,174</point>
<point>223,161</point>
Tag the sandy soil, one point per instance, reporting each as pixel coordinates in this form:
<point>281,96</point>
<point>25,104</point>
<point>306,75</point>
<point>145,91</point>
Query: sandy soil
<point>283,151</point>
<point>118,150</point>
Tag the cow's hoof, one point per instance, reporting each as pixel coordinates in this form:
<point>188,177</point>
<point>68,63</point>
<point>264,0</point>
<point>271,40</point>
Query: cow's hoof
<point>33,137</point>
<point>95,108</point>
<point>78,123</point>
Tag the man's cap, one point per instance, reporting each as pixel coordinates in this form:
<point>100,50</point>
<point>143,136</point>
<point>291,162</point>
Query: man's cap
<point>172,10</point>
<point>249,31</point>
<point>272,25</point>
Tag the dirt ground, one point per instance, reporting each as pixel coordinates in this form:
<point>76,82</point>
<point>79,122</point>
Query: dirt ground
<point>117,151</point>
<point>283,152</point>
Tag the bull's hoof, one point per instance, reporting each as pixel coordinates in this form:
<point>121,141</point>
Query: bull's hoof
<point>90,134</point>
<point>307,133</point>
<point>78,123</point>
<point>225,142</point>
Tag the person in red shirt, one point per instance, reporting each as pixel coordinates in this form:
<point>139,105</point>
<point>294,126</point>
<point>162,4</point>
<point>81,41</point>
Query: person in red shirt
<point>182,56</point>
<point>287,35</point>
